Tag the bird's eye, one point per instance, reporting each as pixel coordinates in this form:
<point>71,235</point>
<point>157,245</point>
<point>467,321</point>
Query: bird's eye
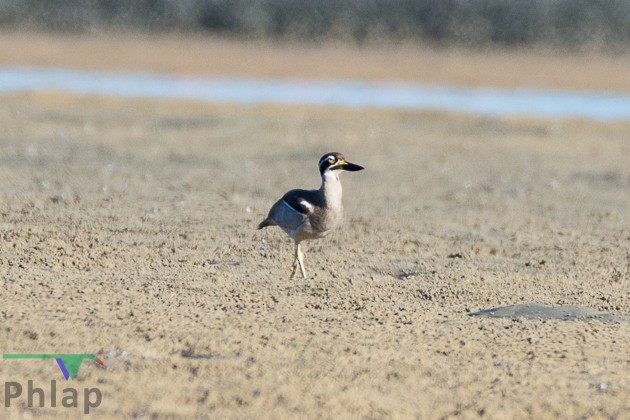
<point>331,160</point>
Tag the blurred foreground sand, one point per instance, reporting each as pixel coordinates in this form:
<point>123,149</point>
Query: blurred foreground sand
<point>128,231</point>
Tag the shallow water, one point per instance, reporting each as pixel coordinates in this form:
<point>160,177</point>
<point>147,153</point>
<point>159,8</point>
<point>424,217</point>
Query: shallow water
<point>544,312</point>
<point>484,101</point>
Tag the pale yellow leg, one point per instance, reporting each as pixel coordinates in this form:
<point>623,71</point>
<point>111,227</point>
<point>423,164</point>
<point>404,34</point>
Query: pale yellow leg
<point>295,260</point>
<point>300,260</point>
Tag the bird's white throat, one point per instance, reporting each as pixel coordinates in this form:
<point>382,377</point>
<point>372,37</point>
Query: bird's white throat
<point>331,188</point>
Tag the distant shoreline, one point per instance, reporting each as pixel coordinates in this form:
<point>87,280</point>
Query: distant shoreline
<point>536,103</point>
<point>191,54</point>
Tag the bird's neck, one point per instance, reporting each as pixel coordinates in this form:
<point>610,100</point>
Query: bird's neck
<point>331,189</point>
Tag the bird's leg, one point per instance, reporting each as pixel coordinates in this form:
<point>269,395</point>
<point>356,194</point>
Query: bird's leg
<point>295,260</point>
<point>300,260</point>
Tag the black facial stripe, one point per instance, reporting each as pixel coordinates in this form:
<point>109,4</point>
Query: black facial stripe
<point>323,163</point>
<point>325,159</point>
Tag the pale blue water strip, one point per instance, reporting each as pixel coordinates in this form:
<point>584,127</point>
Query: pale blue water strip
<point>485,101</point>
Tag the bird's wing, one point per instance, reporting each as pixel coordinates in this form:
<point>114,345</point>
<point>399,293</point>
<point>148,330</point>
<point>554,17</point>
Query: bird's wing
<point>291,212</point>
<point>300,201</point>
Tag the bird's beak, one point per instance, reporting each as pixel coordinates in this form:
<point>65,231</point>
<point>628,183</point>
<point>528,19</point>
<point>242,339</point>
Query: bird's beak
<point>347,166</point>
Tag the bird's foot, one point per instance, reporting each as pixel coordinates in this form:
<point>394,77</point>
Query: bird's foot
<point>294,267</point>
<point>303,272</point>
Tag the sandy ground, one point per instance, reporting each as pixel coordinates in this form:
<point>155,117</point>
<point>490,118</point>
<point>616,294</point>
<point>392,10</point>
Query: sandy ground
<point>128,231</point>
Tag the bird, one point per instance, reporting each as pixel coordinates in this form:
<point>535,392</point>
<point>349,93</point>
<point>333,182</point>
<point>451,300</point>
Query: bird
<point>311,214</point>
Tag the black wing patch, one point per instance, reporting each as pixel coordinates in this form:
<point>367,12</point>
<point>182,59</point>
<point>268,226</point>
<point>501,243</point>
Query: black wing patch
<point>298,203</point>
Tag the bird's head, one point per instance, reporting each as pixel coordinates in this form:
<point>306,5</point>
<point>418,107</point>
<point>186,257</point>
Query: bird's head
<point>335,160</point>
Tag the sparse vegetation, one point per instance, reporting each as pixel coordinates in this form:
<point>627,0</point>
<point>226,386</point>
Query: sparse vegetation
<point>562,23</point>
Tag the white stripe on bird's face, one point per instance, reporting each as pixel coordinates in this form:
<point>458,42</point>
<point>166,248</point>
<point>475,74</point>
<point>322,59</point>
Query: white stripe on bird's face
<point>330,162</point>
<point>327,160</point>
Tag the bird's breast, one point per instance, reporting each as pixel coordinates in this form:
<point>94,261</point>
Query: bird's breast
<point>328,218</point>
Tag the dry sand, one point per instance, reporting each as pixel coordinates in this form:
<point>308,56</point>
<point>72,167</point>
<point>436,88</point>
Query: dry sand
<point>128,231</point>
<point>190,54</point>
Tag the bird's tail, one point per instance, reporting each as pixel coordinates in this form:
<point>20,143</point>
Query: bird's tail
<point>265,223</point>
